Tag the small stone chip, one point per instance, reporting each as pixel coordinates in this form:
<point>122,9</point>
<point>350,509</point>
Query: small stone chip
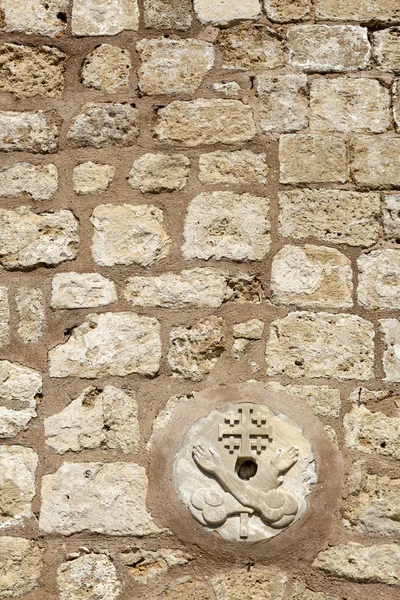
<point>29,131</point>
<point>157,173</point>
<point>92,178</point>
<point>105,124</point>
<point>39,181</point>
<point>107,68</point>
<point>104,17</point>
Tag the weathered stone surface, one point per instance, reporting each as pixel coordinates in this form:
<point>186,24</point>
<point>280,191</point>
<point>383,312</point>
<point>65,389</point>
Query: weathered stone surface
<point>328,48</point>
<point>372,432</point>
<point>249,330</point>
<point>312,159</point>
<point>29,131</point>
<point>311,275</point>
<point>96,419</point>
<point>239,347</point>
<point>82,290</point>
<point>396,104</point>
<point>20,391</point>
<point>103,498</point>
<point>349,105</point>
<point>34,16</point>
<point>391,353</point>
<point>366,564</point>
<point>194,351</point>
<point>167,14</point>
<point>386,48</point>
<point>173,66</point>
<point>219,12</point>
<point>89,577</point>
<point>375,161</point>
<point>126,235</point>
<point>391,216</point>
<point>4,317</point>
<point>379,279</point>
<point>190,288</point>
<point>30,310</point>
<point>253,46</point>
<point>334,216</point>
<point>283,11</point>
<point>146,564</point>
<point>17,484</point>
<point>312,345</point>
<point>283,102</point>
<point>32,240</point>
<point>227,225</point>
<point>156,173</point>
<point>323,400</point>
<point>204,121</point>
<point>39,181</point>
<point>182,589</point>
<point>230,88</point>
<point>302,592</point>
<point>104,17</point>
<point>92,178</point>
<point>374,11</point>
<point>261,583</point>
<point>164,417</point>
<point>109,344</point>
<point>21,566</point>
<point>240,168</point>
<point>107,68</point>
<point>245,288</point>
<point>105,124</point>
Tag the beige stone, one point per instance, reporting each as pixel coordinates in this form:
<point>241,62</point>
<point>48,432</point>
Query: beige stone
<point>373,11</point>
<point>167,14</point>
<point>391,216</point>
<point>105,124</point>
<point>4,317</point>
<point>239,347</point>
<point>144,565</point>
<point>379,563</point>
<point>108,498</point>
<point>227,225</point>
<point>20,392</point>
<point>396,104</point>
<point>365,396</point>
<point>375,161</point>
<point>184,589</point>
<point>81,290</point>
<point>17,484</point>
<point>28,239</point>
<point>126,235</point>
<point>349,106</point>
<point>328,48</point>
<point>39,181</point>
<point>30,310</point>
<point>251,46</point>
<point>312,159</point>
<point>245,288</point>
<point>204,121</point>
<point>21,566</point>
<point>249,330</point>
<point>157,173</point>
<point>229,88</point>
<point>104,17</point>
<point>311,276</point>
<point>89,577</point>
<point>194,350</point>
<point>283,11</point>
<point>323,400</point>
<point>241,167</point>
<point>107,68</point>
<point>256,584</point>
<point>386,48</point>
<point>29,131</point>
<point>379,279</point>
<point>92,178</point>
<point>165,416</point>
<point>171,66</point>
<point>302,592</point>
<point>220,12</point>
<point>333,216</point>
<point>34,16</point>
<point>109,344</point>
<point>372,432</point>
<point>391,352</point>
<point>283,102</point>
<point>304,344</point>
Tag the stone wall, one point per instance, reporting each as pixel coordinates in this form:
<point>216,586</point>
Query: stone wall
<point>194,194</point>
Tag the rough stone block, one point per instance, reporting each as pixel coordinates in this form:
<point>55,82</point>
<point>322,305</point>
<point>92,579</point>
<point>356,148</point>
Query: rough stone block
<point>283,11</point>
<point>104,17</point>
<point>323,400</point>
<point>391,216</point>
<point>239,168</point>
<point>30,310</point>
<point>29,131</point>
<point>391,354</point>
<point>396,104</point>
<point>251,46</point>
<point>20,392</point>
<point>249,330</point>
<point>302,592</point>
<point>372,432</point>
<point>366,11</point>
<point>17,480</point>
<point>39,181</point>
<point>105,124</point>
<point>145,565</point>
<point>34,16</point>
<point>375,161</point>
<point>264,583</point>
<point>167,14</point>
<point>107,68</point>
<point>283,102</point>
<point>157,173</point>
<point>219,12</point>
<point>4,317</point>
<point>386,48</point>
<point>81,290</point>
<point>91,576</point>
<point>92,178</point>
<point>379,279</point>
<point>22,564</point>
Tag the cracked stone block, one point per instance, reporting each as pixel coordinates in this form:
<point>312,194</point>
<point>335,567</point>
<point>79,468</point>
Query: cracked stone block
<point>107,68</point>
<point>81,290</point>
<point>105,124</point>
<point>366,11</point>
<point>241,167</point>
<point>391,216</point>
<point>29,131</point>
<point>386,48</point>
<point>4,317</point>
<point>30,311</point>
<point>17,485</point>
<point>264,583</point>
<point>283,11</point>
<point>20,392</point>
<point>89,577</point>
<point>158,173</point>
<point>39,181</point>
<point>104,17</point>
<point>21,566</point>
<point>372,432</point>
<point>379,279</point>
<point>144,565</point>
<point>283,102</point>
<point>167,14</point>
<point>251,46</point>
<point>34,17</point>
<point>375,162</point>
<point>219,12</point>
<point>323,400</point>
<point>92,178</point>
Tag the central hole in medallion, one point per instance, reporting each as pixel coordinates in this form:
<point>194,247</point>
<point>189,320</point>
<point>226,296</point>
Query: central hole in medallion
<point>246,469</point>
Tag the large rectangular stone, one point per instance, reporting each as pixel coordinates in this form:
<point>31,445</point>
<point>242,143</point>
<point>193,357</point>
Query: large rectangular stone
<point>34,17</point>
<point>375,162</point>
<point>29,131</point>
<point>283,102</point>
<point>104,17</point>
<point>366,11</point>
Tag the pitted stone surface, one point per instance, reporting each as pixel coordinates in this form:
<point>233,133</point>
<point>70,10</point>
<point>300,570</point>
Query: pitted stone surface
<point>104,17</point>
<point>264,583</point>
<point>375,162</point>
<point>29,131</point>
<point>391,352</point>
<point>105,124</point>
<point>283,11</point>
<point>34,17</point>
<point>20,391</point>
<point>379,279</point>
<point>220,12</point>
<point>283,102</point>
<point>17,484</point>
<point>372,432</point>
<point>253,46</point>
<point>167,14</point>
<point>367,11</point>
<point>241,167</point>
<point>92,178</point>
<point>21,566</point>
<point>107,68</point>
<point>39,181</point>
<point>82,290</point>
<point>249,330</point>
<point>89,577</point>
<point>158,173</point>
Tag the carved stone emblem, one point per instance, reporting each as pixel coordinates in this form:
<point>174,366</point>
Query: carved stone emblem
<point>245,472</point>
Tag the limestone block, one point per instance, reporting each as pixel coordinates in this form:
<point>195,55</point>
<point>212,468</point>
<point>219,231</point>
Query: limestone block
<point>20,392</point>
<point>194,351</point>
<point>205,121</point>
<point>89,577</point>
<point>19,66</point>
<point>241,167</point>
<point>28,239</point>
<point>391,216</point>
<point>92,178</point>
<point>104,17</point>
<point>249,330</point>
<point>312,159</point>
<point>374,11</point>
<point>167,14</point>
<point>164,417</point>
<point>182,589</point>
<point>30,310</point>
<point>105,124</point>
<point>391,353</point>
<point>311,276</point>
<point>245,288</point>
<point>375,161</point>
<point>251,46</point>
<point>109,344</point>
<point>188,289</point>
<point>349,105</point>
<point>333,216</point>
<point>4,317</point>
<point>34,16</point>
<point>82,290</point>
<point>173,66</point>
<point>29,131</point>
<point>107,68</point>
<point>219,12</point>
<point>365,564</point>
<point>302,592</point>
<point>144,565</point>
<point>283,102</point>
<point>379,279</point>
<point>227,225</point>
<point>39,181</point>
<point>126,235</point>
<point>323,400</point>
<point>17,484</point>
<point>264,584</point>
<point>21,566</point>
<point>282,11</point>
<point>157,173</point>
<point>230,88</point>
<point>396,104</point>
<point>386,48</point>
<point>304,344</point>
<point>108,498</point>
<point>372,432</point>
<point>328,48</point>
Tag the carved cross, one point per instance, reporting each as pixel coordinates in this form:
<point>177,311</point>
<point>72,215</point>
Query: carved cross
<point>244,431</point>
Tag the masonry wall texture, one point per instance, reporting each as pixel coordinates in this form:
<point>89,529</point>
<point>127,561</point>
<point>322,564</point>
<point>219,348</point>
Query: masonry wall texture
<point>194,193</point>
